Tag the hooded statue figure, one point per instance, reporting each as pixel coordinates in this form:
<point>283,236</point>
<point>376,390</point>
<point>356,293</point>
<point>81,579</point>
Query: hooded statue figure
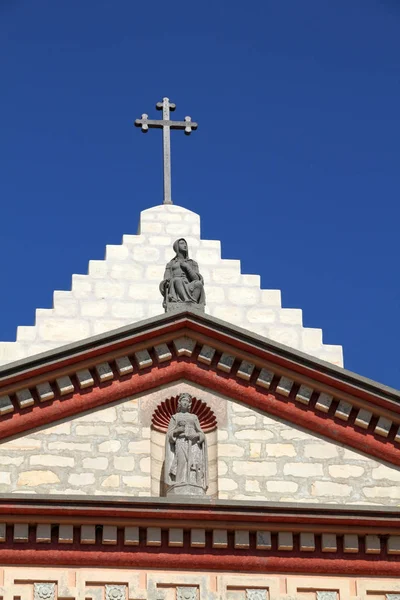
<point>186,462</point>
<point>182,281</point>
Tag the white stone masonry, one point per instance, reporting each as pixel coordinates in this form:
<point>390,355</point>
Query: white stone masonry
<point>123,289</point>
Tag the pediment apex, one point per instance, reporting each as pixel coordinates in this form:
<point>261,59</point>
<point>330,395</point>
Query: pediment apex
<point>214,354</point>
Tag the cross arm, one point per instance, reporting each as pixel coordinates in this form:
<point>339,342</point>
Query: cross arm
<point>146,124</point>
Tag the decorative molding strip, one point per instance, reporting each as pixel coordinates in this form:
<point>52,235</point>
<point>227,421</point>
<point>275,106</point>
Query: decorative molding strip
<point>241,540</point>
<point>362,420</point>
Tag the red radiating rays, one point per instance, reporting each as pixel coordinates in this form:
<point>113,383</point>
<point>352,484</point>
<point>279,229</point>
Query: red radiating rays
<point>164,411</point>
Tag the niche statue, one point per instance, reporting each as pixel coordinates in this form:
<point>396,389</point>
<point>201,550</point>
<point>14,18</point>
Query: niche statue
<point>186,468</point>
<point>182,283</point>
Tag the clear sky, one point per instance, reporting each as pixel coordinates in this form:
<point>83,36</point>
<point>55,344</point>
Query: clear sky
<point>294,167</point>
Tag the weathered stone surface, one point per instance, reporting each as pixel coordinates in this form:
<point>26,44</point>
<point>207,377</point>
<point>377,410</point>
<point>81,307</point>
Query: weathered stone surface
<point>36,478</point>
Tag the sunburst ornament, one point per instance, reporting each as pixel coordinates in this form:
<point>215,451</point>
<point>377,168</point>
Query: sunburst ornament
<point>164,411</point>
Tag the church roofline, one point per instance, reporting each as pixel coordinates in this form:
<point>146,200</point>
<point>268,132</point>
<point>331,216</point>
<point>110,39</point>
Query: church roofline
<point>150,326</point>
<point>194,347</point>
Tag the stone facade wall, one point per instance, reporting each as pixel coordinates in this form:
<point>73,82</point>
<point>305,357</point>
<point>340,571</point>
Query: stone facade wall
<point>106,452</point>
<point>123,289</point>
<point>46,583</point>
<point>264,458</point>
<point>113,451</point>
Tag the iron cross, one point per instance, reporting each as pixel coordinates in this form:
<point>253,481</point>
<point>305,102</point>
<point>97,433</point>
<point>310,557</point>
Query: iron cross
<point>166,125</point>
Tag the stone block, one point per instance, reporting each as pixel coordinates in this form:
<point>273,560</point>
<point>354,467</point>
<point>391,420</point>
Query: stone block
<point>131,536</point>
<point>153,536</point>
<point>6,406</point>
<point>81,479</point>
<point>284,386</point>
<point>324,402</point>
<point>184,346</point>
<point>109,535</point>
<point>85,379</point>
<point>303,469</point>
<point>254,468</point>
<point>110,446</point>
<point>383,426</point>
<point>363,418</point>
<point>65,534</point>
<point>285,540</point>
<point>198,538</point>
<point>21,532</point>
<point>261,315</point>
<point>245,296</point>
<point>5,478</point>
<point>175,537</point>
<point>278,450</point>
<point>124,365</point>
<point>112,481</point>
<point>254,434</point>
<point>320,450</point>
<point>393,544</point>
<point>226,484</point>
<point>304,394</point>
<point>282,487</point>
<point>327,488</point>
<point>43,533</point>
<point>92,430</point>
<point>206,355</point>
<point>242,539</point>
<point>142,447</point>
<point>245,370</point>
<point>350,543</point>
<point>104,372</point>
<point>230,450</point>
<point>343,410</point>
<point>24,398</point>
<point>51,460</point>
<point>65,385</point>
<point>372,544</point>
<point>225,363</point>
<point>263,540</point>
<point>36,478</point>
<point>99,463</point>
<point>307,542</point>
<point>45,391</point>
<point>163,353</point>
<point>345,471</point>
<point>138,481</point>
<point>143,359</point>
<point>220,538</point>
<point>88,534</point>
<point>328,542</point>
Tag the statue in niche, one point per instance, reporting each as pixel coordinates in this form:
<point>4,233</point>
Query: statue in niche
<point>182,283</point>
<point>186,463</point>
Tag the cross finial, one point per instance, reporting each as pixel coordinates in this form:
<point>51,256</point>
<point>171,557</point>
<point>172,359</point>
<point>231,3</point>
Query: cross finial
<point>166,125</point>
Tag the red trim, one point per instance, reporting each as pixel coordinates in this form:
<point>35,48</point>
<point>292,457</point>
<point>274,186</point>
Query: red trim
<point>215,560</point>
<point>119,388</point>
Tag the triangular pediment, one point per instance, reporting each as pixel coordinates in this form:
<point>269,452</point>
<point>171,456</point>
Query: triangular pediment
<point>189,345</point>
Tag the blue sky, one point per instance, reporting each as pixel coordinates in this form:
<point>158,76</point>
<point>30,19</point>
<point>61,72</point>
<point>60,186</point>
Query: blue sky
<point>295,165</point>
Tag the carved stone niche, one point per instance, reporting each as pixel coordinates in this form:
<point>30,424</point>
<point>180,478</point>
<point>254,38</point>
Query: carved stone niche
<point>160,420</point>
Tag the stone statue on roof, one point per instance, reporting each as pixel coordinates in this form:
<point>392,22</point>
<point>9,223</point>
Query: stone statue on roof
<point>182,283</point>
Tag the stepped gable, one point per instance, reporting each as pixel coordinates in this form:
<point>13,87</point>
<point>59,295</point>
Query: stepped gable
<point>123,289</point>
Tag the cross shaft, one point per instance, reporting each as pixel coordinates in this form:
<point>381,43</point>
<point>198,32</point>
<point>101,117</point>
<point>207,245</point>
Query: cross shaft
<point>166,125</point>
